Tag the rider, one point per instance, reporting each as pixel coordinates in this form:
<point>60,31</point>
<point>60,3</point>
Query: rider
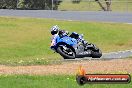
<point>55,31</point>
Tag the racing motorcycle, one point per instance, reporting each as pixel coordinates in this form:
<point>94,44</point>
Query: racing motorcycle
<point>70,48</point>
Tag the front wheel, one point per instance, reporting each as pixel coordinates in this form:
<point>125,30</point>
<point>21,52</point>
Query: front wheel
<point>66,52</point>
<point>96,54</point>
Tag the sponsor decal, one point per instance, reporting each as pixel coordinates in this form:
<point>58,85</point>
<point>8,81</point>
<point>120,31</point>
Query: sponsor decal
<point>83,78</point>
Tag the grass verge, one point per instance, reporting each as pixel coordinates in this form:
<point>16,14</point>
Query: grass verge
<point>51,81</point>
<point>26,41</point>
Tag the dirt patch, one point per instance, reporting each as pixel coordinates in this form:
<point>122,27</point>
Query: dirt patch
<point>91,66</point>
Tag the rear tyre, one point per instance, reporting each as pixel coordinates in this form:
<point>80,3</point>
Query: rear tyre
<point>96,54</point>
<point>65,53</point>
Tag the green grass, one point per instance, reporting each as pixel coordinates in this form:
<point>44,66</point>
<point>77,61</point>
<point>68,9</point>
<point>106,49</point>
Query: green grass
<point>26,41</point>
<point>51,81</point>
<point>94,6</point>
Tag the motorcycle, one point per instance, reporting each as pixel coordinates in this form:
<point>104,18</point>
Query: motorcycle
<point>69,48</point>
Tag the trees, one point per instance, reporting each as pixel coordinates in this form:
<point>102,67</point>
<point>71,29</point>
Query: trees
<point>29,4</point>
<point>40,4</point>
<point>44,4</point>
<point>10,4</point>
<point>21,4</point>
<point>108,5</point>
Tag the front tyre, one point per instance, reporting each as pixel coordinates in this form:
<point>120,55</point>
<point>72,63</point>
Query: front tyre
<point>66,52</point>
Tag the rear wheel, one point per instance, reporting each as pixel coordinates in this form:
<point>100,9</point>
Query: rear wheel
<point>66,52</point>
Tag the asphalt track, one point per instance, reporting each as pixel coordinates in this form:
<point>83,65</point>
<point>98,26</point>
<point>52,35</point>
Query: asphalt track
<point>114,17</point>
<point>107,56</point>
<point>100,16</point>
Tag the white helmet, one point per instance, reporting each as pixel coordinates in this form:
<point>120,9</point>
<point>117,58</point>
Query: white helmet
<point>54,30</point>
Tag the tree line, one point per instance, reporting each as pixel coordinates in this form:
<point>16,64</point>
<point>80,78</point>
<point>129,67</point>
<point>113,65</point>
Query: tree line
<point>43,4</point>
<point>29,4</point>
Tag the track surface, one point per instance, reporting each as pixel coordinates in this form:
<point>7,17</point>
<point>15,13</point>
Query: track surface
<point>117,55</point>
<point>72,15</point>
<point>107,56</point>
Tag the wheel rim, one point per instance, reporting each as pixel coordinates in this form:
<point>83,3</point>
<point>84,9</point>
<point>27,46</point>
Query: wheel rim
<point>67,51</point>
